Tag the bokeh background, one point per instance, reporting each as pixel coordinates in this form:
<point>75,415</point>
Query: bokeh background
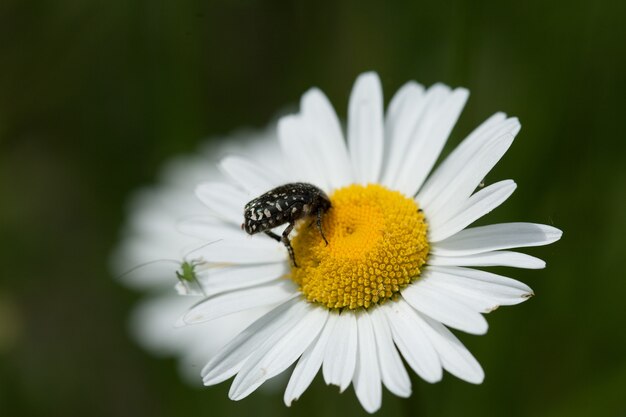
<point>96,95</point>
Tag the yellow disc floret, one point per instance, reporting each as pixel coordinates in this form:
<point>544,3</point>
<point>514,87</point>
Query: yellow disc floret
<point>377,244</point>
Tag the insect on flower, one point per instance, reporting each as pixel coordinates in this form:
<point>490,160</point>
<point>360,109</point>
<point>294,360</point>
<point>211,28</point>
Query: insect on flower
<point>188,282</point>
<point>285,204</point>
<point>404,263</point>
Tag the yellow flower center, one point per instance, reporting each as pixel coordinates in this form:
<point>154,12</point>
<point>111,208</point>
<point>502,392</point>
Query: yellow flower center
<point>377,244</point>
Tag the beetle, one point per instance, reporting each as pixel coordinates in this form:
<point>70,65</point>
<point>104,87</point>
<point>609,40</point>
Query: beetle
<point>287,203</point>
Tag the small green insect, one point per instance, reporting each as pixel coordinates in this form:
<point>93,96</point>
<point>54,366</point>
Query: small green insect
<point>188,282</point>
<point>188,271</point>
<point>187,278</point>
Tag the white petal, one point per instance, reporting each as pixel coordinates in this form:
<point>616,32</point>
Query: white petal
<point>496,258</point>
<point>458,179</point>
<point>365,128</point>
<point>403,101</point>
<point>302,158</point>
<point>278,353</point>
<point>245,250</point>
<point>151,326</point>
<point>235,301</point>
<point>404,112</point>
<point>250,176</point>
<point>478,276</point>
<point>440,306</point>
<point>310,362</point>
<point>210,228</point>
<point>466,286</point>
<point>216,281</point>
<point>366,378</point>
<point>454,163</point>
<point>481,305</point>
<point>428,137</point>
<point>340,356</point>
<point>504,290</point>
<point>495,237</point>
<point>393,373</point>
<point>475,207</point>
<point>411,340</point>
<point>321,120</point>
<point>455,357</point>
<point>229,360</point>
<point>224,200</point>
<point>197,352</point>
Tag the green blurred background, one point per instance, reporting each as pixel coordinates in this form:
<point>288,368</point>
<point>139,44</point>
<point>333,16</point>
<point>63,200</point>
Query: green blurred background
<point>96,95</point>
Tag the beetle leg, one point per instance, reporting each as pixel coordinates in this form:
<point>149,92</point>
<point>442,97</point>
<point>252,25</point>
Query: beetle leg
<point>287,243</point>
<point>319,224</point>
<point>273,235</point>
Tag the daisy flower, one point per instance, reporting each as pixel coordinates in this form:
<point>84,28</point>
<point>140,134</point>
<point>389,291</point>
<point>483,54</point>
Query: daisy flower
<point>152,250</point>
<point>399,266</point>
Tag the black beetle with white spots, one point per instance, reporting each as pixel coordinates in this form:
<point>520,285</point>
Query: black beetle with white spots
<point>285,204</point>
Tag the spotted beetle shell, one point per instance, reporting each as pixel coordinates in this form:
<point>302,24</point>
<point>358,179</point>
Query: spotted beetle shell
<point>284,204</point>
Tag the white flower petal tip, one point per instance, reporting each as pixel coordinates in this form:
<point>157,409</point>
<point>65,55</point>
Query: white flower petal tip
<point>223,199</point>
<point>475,207</point>
<point>310,362</point>
<point>557,234</point>
<point>301,154</point>
<point>445,308</point>
<point>523,297</point>
<point>365,127</point>
<point>412,342</point>
<point>423,126</point>
<point>463,170</point>
<point>367,378</point>
<point>495,237</point>
<point>454,357</point>
<point>340,356</point>
<point>249,175</point>
<point>321,120</point>
<point>180,322</point>
<point>481,291</point>
<point>491,309</point>
<point>393,373</point>
<point>495,258</point>
<point>256,339</point>
<point>278,352</point>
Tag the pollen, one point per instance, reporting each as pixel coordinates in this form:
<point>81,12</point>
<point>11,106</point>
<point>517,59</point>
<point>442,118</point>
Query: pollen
<point>377,245</point>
